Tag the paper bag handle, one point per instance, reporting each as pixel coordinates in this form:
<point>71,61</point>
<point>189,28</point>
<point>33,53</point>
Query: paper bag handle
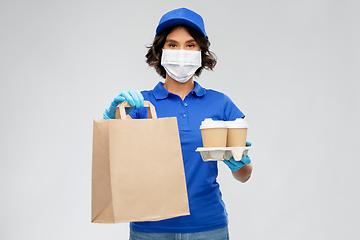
<point>121,114</point>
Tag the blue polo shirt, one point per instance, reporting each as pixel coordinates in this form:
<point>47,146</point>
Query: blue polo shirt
<point>207,209</point>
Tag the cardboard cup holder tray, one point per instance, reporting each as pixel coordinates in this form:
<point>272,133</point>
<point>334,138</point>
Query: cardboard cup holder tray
<point>221,153</point>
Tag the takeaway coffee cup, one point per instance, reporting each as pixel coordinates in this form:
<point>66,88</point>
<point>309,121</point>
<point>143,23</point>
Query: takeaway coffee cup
<point>237,130</point>
<point>214,133</point>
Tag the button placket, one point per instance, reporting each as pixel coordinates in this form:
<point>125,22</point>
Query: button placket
<point>184,113</point>
<point>184,108</point>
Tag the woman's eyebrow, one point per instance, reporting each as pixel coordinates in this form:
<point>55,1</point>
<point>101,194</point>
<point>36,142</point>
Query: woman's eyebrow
<point>188,41</point>
<point>191,40</point>
<point>171,40</point>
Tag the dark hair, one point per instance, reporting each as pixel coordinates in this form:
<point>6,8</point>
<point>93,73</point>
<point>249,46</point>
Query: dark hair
<point>153,56</point>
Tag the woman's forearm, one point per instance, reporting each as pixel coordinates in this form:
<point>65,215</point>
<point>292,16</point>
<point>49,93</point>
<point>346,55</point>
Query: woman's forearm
<point>244,173</point>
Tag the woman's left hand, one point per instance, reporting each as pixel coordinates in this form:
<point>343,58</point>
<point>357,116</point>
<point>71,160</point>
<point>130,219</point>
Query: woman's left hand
<point>236,165</point>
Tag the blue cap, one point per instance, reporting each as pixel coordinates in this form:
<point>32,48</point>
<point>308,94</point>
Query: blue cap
<point>182,16</point>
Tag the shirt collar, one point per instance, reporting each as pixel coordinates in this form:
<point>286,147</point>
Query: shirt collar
<point>199,90</point>
<point>161,93</point>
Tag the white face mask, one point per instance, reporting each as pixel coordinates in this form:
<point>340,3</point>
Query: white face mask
<point>180,64</point>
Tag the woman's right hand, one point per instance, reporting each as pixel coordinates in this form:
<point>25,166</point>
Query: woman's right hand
<point>134,98</point>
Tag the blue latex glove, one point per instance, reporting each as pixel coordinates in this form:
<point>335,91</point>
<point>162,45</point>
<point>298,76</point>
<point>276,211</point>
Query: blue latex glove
<point>134,98</point>
<point>236,165</point>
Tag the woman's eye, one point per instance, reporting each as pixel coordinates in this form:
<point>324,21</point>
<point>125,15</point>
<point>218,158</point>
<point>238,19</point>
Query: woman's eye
<point>172,45</point>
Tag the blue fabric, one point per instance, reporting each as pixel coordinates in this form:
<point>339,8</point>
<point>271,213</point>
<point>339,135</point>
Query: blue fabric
<point>218,234</point>
<point>207,209</point>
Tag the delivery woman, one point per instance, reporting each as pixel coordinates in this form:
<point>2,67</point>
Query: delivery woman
<point>179,52</point>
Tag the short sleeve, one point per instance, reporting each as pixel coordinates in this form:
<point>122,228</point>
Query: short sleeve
<point>231,111</point>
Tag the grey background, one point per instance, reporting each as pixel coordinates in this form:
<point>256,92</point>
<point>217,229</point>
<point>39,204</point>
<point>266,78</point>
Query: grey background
<point>291,66</point>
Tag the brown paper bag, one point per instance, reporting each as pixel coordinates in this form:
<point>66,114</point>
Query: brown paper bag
<point>137,169</point>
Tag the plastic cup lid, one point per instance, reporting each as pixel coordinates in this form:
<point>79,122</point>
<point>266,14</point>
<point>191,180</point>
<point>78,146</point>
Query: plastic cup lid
<point>209,123</point>
<point>238,123</point>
